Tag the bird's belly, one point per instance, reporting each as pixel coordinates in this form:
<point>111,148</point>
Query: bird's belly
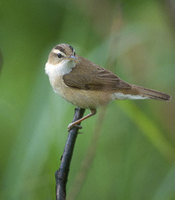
<point>79,97</point>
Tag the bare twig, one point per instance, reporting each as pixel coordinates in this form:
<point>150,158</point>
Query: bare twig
<point>61,174</point>
<point>88,160</point>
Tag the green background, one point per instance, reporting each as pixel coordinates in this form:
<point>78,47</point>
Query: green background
<point>130,144</point>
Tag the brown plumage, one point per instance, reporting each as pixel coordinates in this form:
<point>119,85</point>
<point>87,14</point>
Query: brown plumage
<point>88,85</point>
<point>94,77</point>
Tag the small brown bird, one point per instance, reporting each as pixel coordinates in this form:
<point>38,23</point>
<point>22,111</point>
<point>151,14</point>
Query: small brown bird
<point>88,85</point>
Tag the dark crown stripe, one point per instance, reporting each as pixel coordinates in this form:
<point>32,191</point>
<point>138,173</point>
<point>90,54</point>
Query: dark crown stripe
<point>61,49</point>
<point>71,48</point>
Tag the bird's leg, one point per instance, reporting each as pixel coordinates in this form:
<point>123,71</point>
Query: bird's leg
<point>71,125</point>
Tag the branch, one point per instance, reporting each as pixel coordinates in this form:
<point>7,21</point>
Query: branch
<point>86,164</point>
<point>61,174</point>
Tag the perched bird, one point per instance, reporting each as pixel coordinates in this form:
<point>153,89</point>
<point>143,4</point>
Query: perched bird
<point>88,85</point>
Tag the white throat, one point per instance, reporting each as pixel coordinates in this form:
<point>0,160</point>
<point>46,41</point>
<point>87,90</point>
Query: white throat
<point>64,67</point>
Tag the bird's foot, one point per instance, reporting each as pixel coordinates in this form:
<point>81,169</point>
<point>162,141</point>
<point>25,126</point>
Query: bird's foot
<point>71,125</point>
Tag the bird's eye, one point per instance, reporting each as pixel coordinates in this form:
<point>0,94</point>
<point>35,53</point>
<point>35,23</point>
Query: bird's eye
<point>59,55</point>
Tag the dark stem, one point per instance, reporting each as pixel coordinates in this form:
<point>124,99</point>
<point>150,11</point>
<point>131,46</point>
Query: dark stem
<point>61,174</point>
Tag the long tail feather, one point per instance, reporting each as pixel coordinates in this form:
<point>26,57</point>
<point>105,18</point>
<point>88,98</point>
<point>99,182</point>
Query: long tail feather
<point>152,94</point>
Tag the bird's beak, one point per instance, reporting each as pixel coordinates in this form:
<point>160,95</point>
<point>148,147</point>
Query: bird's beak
<point>73,58</point>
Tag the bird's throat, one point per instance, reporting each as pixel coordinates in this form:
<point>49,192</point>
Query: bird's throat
<point>60,69</point>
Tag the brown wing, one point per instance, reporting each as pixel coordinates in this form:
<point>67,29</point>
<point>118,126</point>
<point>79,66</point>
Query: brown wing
<point>92,77</point>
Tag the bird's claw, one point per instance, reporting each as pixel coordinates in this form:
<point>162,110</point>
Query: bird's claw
<point>71,125</point>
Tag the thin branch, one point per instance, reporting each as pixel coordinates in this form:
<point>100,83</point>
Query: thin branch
<point>88,159</point>
<point>61,174</point>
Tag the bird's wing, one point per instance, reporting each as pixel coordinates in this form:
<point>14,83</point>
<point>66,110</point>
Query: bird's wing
<point>92,77</point>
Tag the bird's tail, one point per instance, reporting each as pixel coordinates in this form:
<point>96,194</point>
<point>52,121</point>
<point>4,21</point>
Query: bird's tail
<point>149,93</point>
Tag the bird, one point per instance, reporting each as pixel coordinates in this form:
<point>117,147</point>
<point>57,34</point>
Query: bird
<point>87,85</point>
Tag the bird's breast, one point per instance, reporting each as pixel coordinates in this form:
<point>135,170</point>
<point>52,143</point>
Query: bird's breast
<point>79,97</point>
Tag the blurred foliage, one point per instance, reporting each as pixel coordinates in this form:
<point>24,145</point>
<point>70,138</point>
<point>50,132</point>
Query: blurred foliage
<point>135,154</point>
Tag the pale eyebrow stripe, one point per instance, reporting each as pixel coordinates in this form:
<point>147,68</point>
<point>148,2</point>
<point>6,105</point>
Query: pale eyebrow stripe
<point>60,48</point>
<point>56,51</point>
